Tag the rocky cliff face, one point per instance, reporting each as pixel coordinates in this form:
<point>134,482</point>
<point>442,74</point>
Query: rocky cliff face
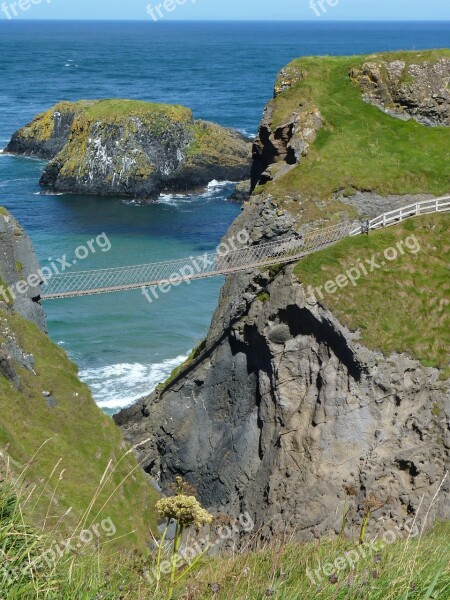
<point>285,413</point>
<point>17,263</point>
<point>406,89</point>
<point>129,148</point>
<point>278,149</point>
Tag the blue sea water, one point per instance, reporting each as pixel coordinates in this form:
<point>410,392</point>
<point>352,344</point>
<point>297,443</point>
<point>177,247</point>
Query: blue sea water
<point>123,345</point>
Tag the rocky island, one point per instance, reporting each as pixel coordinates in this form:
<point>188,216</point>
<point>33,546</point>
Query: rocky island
<point>128,148</point>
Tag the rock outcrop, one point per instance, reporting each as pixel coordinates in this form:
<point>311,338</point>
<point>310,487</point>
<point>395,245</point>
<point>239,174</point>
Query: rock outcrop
<point>18,263</point>
<point>130,148</point>
<point>405,89</point>
<point>285,410</point>
<point>285,413</point>
<point>277,149</point>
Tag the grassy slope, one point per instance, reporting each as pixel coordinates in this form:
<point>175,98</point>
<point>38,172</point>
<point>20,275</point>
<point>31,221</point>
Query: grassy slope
<point>405,305</point>
<point>359,146</point>
<point>280,572</point>
<point>79,434</point>
<point>403,567</point>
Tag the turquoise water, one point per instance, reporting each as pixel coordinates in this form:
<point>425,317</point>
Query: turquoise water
<point>123,345</point>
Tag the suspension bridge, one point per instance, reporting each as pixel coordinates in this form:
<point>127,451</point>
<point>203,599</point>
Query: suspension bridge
<point>174,272</point>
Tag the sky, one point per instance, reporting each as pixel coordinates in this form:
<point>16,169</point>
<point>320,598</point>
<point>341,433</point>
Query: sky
<point>315,10</point>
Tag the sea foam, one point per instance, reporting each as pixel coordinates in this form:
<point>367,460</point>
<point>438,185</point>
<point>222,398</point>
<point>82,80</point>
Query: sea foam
<point>117,386</point>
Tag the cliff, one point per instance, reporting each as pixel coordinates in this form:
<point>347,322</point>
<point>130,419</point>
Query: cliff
<point>18,263</point>
<point>130,148</point>
<point>299,404</point>
<point>62,452</point>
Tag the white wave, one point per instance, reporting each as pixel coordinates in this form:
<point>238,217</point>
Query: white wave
<point>173,199</point>
<point>213,187</point>
<point>218,185</point>
<point>118,386</point>
<point>132,203</point>
<point>248,134</point>
<point>46,193</point>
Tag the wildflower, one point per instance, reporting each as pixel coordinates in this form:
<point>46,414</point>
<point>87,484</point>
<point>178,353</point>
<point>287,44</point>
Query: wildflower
<point>186,510</point>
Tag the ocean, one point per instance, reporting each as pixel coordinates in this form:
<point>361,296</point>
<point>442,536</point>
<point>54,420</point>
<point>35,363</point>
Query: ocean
<point>124,346</point>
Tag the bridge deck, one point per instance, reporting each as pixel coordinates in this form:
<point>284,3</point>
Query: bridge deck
<point>104,281</point>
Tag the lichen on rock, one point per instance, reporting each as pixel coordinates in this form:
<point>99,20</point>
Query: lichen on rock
<point>130,148</point>
<point>407,87</point>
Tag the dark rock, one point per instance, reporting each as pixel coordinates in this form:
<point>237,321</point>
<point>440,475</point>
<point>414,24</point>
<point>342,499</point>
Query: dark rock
<point>17,263</point>
<point>287,419</point>
<point>278,149</point>
<point>242,192</point>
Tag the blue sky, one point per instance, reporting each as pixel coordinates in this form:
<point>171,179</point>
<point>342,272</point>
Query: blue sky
<point>232,9</point>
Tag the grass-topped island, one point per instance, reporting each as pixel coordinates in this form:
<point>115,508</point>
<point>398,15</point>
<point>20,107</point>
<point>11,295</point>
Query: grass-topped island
<point>130,148</point>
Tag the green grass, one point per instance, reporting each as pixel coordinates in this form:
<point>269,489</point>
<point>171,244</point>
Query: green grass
<point>402,307</point>
<point>263,297</point>
<point>416,568</point>
<point>216,144</point>
<point>398,572</point>
<point>124,108</point>
<point>65,450</point>
<point>190,359</point>
<point>359,147</point>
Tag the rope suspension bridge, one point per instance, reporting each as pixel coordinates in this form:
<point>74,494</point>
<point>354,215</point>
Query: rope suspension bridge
<point>173,272</point>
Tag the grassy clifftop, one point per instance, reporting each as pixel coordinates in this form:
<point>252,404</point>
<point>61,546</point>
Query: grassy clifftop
<point>54,438</point>
<point>402,304</point>
<point>358,147</point>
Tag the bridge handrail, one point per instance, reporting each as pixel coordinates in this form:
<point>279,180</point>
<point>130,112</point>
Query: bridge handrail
<point>398,215</point>
<point>245,258</point>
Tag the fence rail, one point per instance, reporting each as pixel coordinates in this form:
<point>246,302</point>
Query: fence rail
<point>406,212</point>
<point>103,281</point>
